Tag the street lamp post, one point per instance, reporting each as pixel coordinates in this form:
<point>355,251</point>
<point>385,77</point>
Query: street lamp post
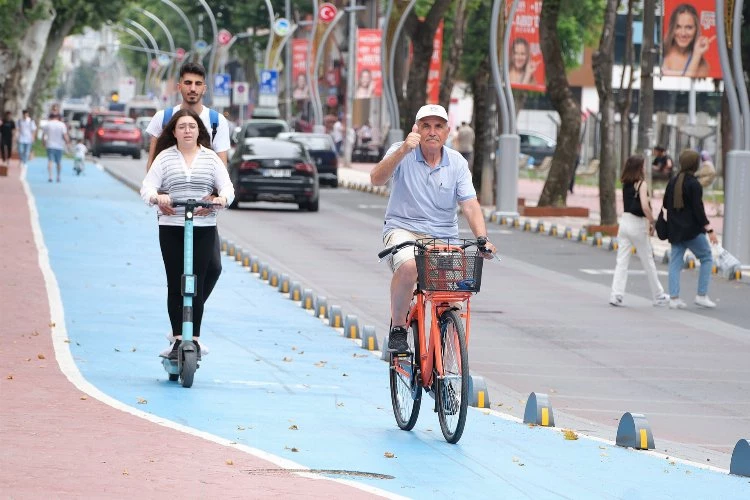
<point>149,52</point>
<point>148,35</point>
<point>212,56</point>
<point>181,13</point>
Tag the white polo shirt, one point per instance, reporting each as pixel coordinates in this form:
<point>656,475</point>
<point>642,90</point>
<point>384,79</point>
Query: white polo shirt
<point>424,199</point>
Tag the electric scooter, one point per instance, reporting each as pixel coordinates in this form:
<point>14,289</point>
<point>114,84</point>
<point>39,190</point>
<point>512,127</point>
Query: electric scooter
<point>183,368</point>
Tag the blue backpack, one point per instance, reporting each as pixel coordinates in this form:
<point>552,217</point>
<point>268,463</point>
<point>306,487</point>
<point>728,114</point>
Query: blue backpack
<point>213,117</point>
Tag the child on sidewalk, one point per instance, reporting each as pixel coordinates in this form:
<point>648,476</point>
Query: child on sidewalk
<point>79,157</point>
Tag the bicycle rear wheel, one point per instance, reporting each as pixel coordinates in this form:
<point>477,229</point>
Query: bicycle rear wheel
<point>452,391</point>
<point>406,391</point>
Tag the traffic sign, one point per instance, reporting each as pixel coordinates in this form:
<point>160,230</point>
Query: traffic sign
<point>163,60</point>
<point>240,93</point>
<point>200,46</point>
<point>268,94</point>
<point>224,37</point>
<point>222,84</point>
<point>327,12</point>
<point>281,27</point>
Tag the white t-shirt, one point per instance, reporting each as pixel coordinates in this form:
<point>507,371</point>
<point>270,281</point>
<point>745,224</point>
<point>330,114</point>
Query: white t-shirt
<point>55,131</point>
<point>26,129</point>
<point>220,143</point>
<point>80,151</point>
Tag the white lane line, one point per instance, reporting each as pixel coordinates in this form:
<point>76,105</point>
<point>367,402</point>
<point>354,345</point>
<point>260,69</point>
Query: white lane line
<point>610,272</point>
<point>67,365</point>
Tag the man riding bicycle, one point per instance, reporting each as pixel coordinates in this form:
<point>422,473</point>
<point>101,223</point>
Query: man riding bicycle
<point>429,182</point>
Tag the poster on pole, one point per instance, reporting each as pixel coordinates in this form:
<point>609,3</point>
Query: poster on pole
<point>369,82</point>
<point>525,60</point>
<point>689,46</point>
<point>436,62</point>
<point>300,89</point>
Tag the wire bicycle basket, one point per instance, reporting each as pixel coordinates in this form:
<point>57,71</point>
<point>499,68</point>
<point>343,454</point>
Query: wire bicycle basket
<point>445,267</point>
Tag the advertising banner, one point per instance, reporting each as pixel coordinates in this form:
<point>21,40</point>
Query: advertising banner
<point>433,74</point>
<point>524,53</point>
<point>369,73</point>
<point>689,46</point>
<point>300,87</point>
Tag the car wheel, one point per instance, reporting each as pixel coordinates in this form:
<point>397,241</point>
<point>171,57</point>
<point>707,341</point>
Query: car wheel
<point>137,155</point>
<point>312,205</point>
<point>96,153</point>
<point>335,183</point>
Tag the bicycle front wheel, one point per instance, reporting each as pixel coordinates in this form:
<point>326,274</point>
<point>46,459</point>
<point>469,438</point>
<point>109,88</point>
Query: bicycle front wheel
<point>452,392</point>
<point>406,391</point>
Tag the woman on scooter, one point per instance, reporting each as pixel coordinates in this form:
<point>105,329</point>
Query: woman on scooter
<point>185,167</point>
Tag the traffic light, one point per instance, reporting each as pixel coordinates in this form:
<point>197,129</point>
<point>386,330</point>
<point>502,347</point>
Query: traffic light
<point>115,96</point>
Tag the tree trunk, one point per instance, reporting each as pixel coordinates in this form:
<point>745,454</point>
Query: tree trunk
<point>23,70</point>
<point>422,34</point>
<point>625,96</point>
<point>602,62</point>
<point>452,63</point>
<point>60,29</point>
<point>483,100</point>
<point>555,190</point>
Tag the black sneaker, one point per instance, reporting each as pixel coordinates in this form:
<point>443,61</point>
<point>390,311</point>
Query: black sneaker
<point>175,347</point>
<point>397,341</point>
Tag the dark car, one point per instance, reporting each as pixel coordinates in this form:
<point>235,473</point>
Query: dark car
<point>323,151</point>
<point>270,169</point>
<point>260,127</point>
<point>537,146</point>
<point>117,135</point>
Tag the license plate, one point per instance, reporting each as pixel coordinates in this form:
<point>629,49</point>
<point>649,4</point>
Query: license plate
<point>119,143</point>
<point>277,172</point>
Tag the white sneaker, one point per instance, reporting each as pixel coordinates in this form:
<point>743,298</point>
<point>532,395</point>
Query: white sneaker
<point>677,304</point>
<point>662,300</point>
<point>616,300</point>
<point>704,301</point>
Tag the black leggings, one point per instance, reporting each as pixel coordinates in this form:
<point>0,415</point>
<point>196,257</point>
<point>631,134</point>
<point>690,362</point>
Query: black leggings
<point>6,146</point>
<point>172,243</point>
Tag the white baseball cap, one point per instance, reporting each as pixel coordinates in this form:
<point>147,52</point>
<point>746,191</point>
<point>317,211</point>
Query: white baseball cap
<point>431,110</point>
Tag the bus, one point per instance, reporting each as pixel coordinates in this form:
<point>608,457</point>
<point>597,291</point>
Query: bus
<point>141,105</point>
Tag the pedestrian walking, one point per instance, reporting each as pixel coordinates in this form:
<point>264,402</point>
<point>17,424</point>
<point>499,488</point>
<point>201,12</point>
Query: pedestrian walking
<point>7,133</point>
<point>687,228</point>
<point>464,142</point>
<point>636,228</point>
<point>56,139</point>
<point>26,129</point>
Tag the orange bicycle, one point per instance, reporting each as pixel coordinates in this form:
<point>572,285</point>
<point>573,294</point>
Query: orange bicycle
<point>438,333</point>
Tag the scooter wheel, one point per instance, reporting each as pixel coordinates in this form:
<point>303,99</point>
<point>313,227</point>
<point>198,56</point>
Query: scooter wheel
<point>189,365</point>
<point>173,377</point>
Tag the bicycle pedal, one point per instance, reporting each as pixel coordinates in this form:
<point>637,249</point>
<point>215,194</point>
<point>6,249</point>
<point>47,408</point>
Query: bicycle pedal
<point>401,354</point>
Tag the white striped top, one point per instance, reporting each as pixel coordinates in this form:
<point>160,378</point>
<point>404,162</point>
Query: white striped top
<point>170,174</point>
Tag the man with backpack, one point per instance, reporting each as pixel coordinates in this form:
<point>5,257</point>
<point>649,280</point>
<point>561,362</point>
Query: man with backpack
<point>192,86</point>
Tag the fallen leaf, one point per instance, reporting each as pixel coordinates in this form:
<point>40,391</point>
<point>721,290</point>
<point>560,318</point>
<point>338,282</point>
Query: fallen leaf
<point>51,324</point>
<point>570,435</point>
<point>125,472</point>
<point>355,355</point>
<point>132,349</point>
<point>67,341</point>
<point>388,454</point>
<point>10,377</point>
<point>499,404</point>
<point>339,404</point>
<point>293,428</point>
<point>83,398</point>
<point>117,350</point>
<point>240,428</point>
<point>142,401</point>
<point>229,461</point>
<point>295,450</point>
<point>294,348</point>
<point>516,459</point>
<point>321,364</point>
<point>344,375</point>
<point>35,333</point>
<point>40,356</point>
<point>287,359</point>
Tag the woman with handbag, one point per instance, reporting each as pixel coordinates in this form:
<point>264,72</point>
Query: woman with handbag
<point>636,226</point>
<point>687,229</point>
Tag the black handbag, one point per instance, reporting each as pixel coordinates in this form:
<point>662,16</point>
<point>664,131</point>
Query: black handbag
<point>661,225</point>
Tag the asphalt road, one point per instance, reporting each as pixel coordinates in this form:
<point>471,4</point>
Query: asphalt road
<point>540,324</point>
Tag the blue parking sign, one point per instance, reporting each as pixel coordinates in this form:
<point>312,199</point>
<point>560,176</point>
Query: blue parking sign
<point>269,82</point>
<point>222,85</point>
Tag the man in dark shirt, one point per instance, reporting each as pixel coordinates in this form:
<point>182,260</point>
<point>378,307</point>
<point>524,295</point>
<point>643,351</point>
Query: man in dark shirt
<point>662,164</point>
<point>7,130</point>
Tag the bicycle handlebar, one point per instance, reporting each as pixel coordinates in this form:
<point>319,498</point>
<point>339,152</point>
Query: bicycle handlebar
<point>479,243</point>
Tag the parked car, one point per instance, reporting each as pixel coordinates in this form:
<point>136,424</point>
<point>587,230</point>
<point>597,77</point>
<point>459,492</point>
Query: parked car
<point>142,124</point>
<point>270,169</point>
<point>323,152</point>
<point>118,135</point>
<point>536,146</point>
<point>94,121</point>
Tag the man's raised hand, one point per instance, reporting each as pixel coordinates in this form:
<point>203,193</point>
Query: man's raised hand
<point>412,140</point>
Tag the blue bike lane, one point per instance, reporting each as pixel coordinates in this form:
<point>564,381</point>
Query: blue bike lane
<point>280,384</point>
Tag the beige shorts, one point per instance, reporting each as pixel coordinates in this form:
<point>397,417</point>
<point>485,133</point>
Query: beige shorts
<point>396,236</point>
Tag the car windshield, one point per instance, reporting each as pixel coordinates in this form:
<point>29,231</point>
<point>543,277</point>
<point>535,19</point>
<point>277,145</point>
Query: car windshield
<point>118,125</point>
<point>264,129</point>
<point>273,149</point>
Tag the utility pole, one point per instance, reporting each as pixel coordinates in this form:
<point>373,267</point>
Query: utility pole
<point>288,67</point>
<point>646,95</point>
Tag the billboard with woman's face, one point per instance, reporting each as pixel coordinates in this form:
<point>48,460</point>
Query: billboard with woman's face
<point>525,61</point>
<point>369,82</point>
<point>689,47</point>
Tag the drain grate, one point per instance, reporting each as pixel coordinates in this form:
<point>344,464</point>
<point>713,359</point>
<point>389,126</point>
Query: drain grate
<point>322,472</point>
